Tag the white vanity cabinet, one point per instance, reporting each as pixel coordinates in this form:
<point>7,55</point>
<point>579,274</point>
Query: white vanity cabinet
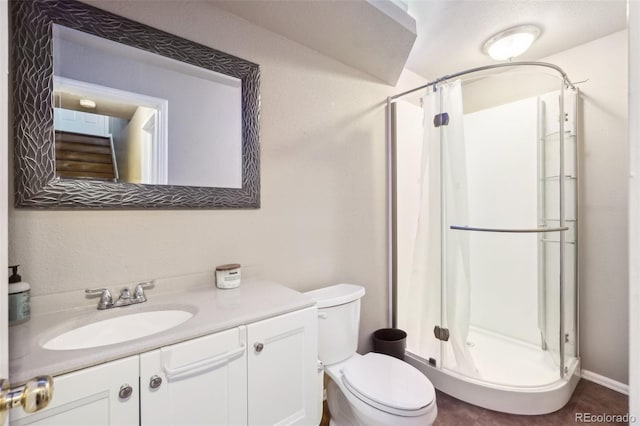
<point>282,369</point>
<point>260,373</point>
<point>198,382</point>
<point>90,397</point>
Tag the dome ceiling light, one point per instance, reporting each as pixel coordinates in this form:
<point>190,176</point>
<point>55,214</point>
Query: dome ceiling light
<point>87,103</point>
<point>511,42</point>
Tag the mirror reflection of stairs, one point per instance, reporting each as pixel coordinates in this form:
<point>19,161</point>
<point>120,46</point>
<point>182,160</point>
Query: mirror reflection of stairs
<point>85,156</point>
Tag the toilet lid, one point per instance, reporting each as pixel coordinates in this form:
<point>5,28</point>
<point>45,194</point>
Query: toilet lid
<point>388,382</point>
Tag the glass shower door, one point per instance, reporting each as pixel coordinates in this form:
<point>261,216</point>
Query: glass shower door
<point>418,230</point>
<point>501,258</point>
<point>456,255</point>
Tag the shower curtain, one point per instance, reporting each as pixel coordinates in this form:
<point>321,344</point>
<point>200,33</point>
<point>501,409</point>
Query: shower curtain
<point>441,256</point>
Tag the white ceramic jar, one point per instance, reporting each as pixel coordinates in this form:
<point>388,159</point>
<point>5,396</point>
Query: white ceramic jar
<point>228,276</point>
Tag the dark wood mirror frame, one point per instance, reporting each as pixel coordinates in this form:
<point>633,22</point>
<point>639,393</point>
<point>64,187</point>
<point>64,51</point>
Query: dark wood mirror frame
<point>36,184</point>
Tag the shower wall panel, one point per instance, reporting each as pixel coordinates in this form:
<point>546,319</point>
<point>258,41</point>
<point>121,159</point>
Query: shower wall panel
<point>502,178</point>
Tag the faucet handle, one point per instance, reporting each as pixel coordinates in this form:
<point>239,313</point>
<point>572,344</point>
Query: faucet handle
<point>125,293</point>
<point>138,293</point>
<point>106,301</point>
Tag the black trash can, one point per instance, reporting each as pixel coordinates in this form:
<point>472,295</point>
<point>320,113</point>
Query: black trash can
<point>390,341</point>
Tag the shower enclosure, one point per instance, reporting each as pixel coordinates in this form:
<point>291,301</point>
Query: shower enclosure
<point>484,230</point>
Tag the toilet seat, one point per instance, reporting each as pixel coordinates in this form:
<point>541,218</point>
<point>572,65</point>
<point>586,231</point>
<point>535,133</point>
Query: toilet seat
<point>388,384</point>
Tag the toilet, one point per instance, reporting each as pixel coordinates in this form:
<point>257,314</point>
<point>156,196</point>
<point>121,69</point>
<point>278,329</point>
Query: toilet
<point>370,389</point>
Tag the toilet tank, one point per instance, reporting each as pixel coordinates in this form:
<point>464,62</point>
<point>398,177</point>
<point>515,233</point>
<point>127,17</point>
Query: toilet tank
<point>338,321</point>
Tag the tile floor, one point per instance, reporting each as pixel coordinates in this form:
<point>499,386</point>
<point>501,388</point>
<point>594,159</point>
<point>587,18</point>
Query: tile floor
<point>587,398</point>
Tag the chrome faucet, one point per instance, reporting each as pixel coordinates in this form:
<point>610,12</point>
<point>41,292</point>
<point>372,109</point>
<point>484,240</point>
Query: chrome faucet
<point>125,298</point>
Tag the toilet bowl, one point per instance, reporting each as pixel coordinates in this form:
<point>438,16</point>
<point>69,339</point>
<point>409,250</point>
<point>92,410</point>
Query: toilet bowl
<point>376,389</point>
<point>370,389</point>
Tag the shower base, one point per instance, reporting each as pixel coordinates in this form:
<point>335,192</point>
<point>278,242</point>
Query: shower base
<point>514,377</point>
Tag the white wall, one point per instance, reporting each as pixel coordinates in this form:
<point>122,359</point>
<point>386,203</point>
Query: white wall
<point>603,271</point>
<point>133,132</point>
<point>322,219</point>
<point>634,211</point>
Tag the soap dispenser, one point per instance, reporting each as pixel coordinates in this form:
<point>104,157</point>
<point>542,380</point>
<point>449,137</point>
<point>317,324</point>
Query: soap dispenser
<point>19,298</point>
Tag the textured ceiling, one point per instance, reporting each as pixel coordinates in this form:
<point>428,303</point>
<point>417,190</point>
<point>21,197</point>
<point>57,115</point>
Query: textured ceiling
<point>451,32</point>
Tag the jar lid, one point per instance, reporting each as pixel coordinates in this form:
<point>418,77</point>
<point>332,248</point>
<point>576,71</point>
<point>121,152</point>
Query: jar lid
<point>228,267</point>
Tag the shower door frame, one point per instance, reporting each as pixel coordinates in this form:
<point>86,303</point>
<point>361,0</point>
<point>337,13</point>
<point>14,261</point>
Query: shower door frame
<point>392,204</point>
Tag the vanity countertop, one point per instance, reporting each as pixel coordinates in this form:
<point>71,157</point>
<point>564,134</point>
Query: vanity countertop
<point>214,310</point>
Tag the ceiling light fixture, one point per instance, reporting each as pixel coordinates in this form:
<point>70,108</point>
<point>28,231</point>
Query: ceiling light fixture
<point>511,42</point>
<point>87,103</point>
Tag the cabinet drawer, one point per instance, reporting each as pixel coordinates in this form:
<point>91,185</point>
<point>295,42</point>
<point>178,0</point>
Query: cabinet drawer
<point>198,382</point>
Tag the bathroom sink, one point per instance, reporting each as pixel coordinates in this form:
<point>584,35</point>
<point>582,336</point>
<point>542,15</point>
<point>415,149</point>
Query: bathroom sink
<point>117,330</point>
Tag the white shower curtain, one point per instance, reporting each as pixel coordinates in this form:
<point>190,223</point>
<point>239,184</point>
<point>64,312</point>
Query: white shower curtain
<point>443,159</point>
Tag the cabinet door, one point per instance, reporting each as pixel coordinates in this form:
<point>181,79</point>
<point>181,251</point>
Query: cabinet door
<point>90,397</point>
<point>199,382</point>
<point>282,361</point>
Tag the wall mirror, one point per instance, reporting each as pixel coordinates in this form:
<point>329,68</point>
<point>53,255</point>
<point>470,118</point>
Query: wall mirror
<point>110,113</point>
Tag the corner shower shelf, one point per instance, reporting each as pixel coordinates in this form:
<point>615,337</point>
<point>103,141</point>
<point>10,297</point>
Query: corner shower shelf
<point>544,240</point>
<point>516,231</point>
<point>555,177</point>
<point>550,136</point>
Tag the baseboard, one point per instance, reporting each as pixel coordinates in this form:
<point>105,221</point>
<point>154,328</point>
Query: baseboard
<point>605,381</point>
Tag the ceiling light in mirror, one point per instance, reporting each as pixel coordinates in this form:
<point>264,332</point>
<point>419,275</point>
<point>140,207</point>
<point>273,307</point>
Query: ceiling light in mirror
<point>87,103</point>
<point>512,42</point>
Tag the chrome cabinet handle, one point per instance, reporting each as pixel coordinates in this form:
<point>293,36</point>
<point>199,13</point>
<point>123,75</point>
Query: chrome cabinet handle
<point>125,391</point>
<point>155,382</point>
<point>202,365</point>
<point>258,347</point>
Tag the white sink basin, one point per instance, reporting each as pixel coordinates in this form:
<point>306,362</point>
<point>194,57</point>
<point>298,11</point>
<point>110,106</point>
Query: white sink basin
<point>117,330</point>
